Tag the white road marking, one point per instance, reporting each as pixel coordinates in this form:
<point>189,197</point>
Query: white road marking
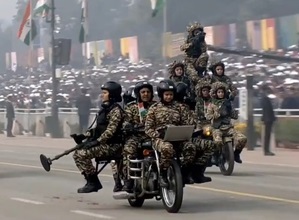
<point>272,164</point>
<point>27,201</point>
<point>90,214</point>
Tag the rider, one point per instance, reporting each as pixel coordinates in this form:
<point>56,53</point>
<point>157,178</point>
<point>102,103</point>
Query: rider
<point>220,112</point>
<point>218,70</point>
<point>106,138</point>
<point>136,112</point>
<point>204,148</point>
<point>163,113</point>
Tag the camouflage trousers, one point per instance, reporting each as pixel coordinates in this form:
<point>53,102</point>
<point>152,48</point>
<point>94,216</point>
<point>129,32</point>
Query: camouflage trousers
<point>83,157</point>
<point>204,150</point>
<point>130,151</point>
<point>240,139</point>
<point>167,152</point>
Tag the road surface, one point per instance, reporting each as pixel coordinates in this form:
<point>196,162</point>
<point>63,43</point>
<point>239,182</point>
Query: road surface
<point>261,188</point>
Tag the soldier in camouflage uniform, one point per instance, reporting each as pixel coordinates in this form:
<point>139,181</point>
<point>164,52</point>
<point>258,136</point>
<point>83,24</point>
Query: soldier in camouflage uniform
<point>106,139</point>
<point>136,112</point>
<point>220,112</point>
<point>218,70</point>
<point>195,49</point>
<point>204,148</point>
<point>160,115</point>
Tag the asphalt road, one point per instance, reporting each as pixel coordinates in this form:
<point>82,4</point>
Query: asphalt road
<point>263,188</point>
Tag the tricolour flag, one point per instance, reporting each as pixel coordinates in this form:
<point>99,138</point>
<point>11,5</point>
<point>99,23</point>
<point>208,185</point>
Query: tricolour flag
<point>157,5</point>
<point>27,28</point>
<point>42,8</point>
<point>83,29</point>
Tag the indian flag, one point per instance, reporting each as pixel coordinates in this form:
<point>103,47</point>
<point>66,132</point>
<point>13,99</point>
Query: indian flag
<point>27,29</point>
<point>42,8</point>
<point>83,29</point>
<point>157,5</point>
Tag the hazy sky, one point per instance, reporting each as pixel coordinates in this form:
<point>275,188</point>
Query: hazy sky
<point>7,9</point>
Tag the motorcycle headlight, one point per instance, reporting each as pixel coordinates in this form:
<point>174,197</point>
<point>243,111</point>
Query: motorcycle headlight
<point>207,130</point>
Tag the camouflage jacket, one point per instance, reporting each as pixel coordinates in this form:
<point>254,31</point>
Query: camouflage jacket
<point>213,114</point>
<point>160,115</point>
<point>201,111</point>
<point>133,116</point>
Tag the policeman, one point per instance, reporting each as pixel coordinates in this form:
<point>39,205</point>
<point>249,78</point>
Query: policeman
<point>204,148</point>
<point>105,140</point>
<point>161,114</point>
<point>136,112</point>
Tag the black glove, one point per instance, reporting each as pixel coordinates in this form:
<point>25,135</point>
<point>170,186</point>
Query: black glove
<point>197,133</point>
<point>129,128</point>
<point>78,138</point>
<point>90,144</point>
<point>162,133</point>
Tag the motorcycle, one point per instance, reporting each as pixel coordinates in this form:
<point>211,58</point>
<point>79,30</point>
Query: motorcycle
<point>145,172</point>
<point>223,158</point>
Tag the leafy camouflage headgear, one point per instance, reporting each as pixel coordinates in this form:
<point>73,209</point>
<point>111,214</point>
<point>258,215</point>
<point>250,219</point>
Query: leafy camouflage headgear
<point>200,86</point>
<point>219,85</point>
<point>194,26</point>
<point>174,65</point>
<point>213,66</point>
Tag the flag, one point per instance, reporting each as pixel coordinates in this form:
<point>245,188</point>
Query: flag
<point>42,8</point>
<point>27,28</point>
<point>157,5</point>
<point>83,29</point>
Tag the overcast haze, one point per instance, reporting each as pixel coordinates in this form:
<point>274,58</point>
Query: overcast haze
<point>7,9</point>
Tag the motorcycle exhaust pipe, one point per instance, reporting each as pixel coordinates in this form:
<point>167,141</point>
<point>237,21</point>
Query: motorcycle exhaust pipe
<point>122,195</point>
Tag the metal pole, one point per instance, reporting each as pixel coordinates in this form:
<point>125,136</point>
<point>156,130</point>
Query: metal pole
<point>250,120</point>
<point>85,41</point>
<point>54,111</point>
<point>164,40</point>
<point>30,66</point>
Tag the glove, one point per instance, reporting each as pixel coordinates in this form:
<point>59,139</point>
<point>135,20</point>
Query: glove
<point>78,138</point>
<point>128,128</point>
<point>162,133</point>
<point>90,144</point>
<point>197,133</point>
<point>228,105</point>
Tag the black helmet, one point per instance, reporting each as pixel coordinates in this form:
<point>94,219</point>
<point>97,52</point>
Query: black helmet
<point>181,91</point>
<point>165,85</point>
<point>129,95</point>
<point>114,90</point>
<point>140,85</point>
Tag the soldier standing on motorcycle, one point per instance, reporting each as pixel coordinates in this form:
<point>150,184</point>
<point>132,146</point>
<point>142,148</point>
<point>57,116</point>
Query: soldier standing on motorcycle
<point>195,49</point>
<point>204,148</point>
<point>220,112</point>
<point>135,114</point>
<point>105,139</point>
<point>168,112</point>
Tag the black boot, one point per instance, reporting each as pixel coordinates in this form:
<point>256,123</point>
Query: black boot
<point>128,186</point>
<point>93,184</point>
<point>187,175</point>
<point>200,177</point>
<point>117,183</point>
<point>237,156</point>
<point>163,179</point>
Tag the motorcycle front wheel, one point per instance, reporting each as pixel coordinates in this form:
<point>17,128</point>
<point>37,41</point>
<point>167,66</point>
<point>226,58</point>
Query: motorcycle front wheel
<point>172,196</point>
<point>227,159</point>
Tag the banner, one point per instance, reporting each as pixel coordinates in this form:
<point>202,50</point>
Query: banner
<point>133,49</point>
<point>209,35</point>
<point>176,41</point>
<point>166,44</point>
<point>124,46</point>
<point>232,35</point>
<point>271,34</point>
<point>287,31</point>
<point>108,47</point>
<point>14,62</point>
<point>40,55</point>
<point>257,40</point>
<point>221,35</point>
<point>249,32</point>
<point>8,61</point>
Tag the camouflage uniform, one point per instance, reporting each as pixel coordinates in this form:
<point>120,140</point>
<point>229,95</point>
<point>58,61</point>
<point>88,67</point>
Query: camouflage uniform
<point>224,79</point>
<point>133,117</point>
<point>158,117</point>
<point>205,148</point>
<point>197,57</point>
<point>221,123</point>
<point>107,148</point>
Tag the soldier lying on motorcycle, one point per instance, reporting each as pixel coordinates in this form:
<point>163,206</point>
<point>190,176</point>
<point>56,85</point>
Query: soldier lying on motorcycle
<point>106,138</point>
<point>204,148</point>
<point>161,114</point>
<point>220,112</point>
<point>135,114</point>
